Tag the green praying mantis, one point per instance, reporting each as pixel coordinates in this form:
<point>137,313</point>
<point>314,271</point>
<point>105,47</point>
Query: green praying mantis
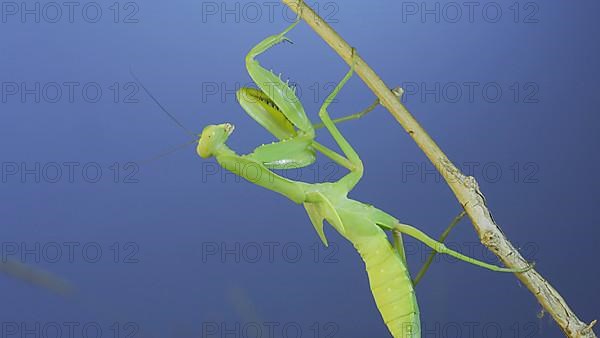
<point>275,106</point>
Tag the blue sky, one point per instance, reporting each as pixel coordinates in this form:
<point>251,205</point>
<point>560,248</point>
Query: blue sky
<point>176,247</point>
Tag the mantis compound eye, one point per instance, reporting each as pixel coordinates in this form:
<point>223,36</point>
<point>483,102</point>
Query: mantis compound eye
<point>212,137</point>
<point>229,128</point>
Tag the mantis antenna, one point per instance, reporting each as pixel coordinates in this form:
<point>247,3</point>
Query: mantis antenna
<point>160,105</point>
<point>168,152</point>
<point>172,117</point>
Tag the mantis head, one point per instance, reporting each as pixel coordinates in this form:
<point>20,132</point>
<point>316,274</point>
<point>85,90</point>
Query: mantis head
<point>212,138</point>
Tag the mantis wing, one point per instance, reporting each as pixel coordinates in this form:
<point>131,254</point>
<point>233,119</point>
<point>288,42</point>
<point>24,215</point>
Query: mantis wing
<point>320,208</point>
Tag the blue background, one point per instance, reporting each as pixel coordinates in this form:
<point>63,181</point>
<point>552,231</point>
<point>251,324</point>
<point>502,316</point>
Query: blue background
<point>165,217</point>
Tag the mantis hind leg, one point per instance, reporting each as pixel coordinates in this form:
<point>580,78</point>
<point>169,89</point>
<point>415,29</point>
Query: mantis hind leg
<point>441,248</point>
<point>399,245</point>
<point>432,254</point>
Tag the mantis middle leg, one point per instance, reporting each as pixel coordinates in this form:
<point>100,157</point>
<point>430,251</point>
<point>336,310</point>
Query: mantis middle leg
<point>398,91</point>
<point>350,180</point>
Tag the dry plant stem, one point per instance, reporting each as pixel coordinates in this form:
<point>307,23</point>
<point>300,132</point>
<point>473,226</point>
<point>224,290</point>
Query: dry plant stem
<point>465,188</point>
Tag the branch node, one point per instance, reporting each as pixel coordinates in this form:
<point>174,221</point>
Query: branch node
<point>587,330</point>
<point>490,240</point>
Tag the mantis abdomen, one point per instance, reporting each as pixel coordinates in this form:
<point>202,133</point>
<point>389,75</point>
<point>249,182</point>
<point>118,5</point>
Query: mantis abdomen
<point>390,284</point>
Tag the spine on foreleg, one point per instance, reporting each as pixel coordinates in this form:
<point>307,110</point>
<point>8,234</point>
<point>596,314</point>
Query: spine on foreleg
<point>391,285</point>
